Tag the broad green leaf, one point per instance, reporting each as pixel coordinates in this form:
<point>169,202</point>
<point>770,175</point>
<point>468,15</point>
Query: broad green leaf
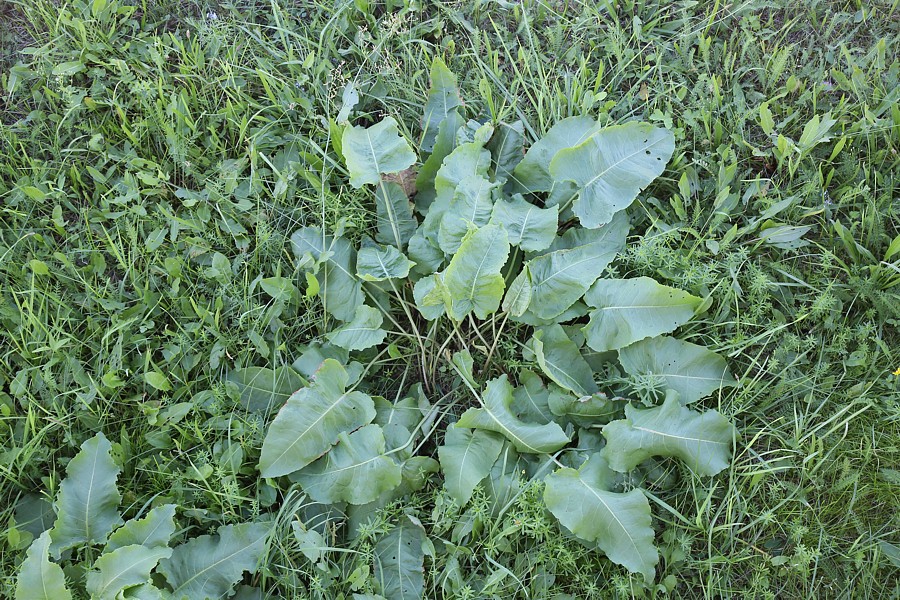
<point>472,279</point>
<point>585,411</point>
<point>691,370</point>
<point>364,331</point>
<point>123,568</point>
<point>562,276</point>
<point>340,290</point>
<point>618,523</point>
<point>398,420</point>
<point>426,255</point>
<point>466,160</point>
<point>628,310</point>
<point>158,381</point>
<point>281,289</point>
<point>312,420</point>
<point>506,147</point>
<point>40,579</point>
<point>533,172</point>
<point>559,358</point>
<point>429,297</point>
<point>355,470</point>
<point>471,206</point>
<point>443,146</point>
<point>496,415</point>
<point>371,151</point>
<point>208,566</point>
<point>443,98</point>
<point>611,167</point>
<point>154,530</point>
<point>466,459</point>
<point>264,389</point>
<point>394,217</point>
<point>518,296</point>
<point>529,227</point>
<point>399,562</point>
<point>702,440</point>
<point>531,400</point>
<point>88,501</point>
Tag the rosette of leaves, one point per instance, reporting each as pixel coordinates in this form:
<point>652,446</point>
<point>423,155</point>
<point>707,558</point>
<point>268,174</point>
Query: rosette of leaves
<point>495,236</point>
<point>131,552</point>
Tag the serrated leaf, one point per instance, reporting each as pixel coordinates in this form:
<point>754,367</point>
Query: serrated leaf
<point>364,331</point>
<point>264,389</point>
<point>312,421</point>
<point>562,276</point>
<point>560,360</point>
<point>472,279</point>
<point>355,470</point>
<point>370,152</point>
<point>612,167</point>
<point>123,568</point>
<point>628,310</point>
<point>40,579</point>
<point>691,370</point>
<point>340,290</point>
<point>154,530</point>
<point>471,206</point>
<point>443,99</point>
<point>618,523</point>
<point>394,217</point>
<point>506,147</point>
<point>496,415</point>
<point>466,459</point>
<point>529,227</point>
<point>399,562</point>
<point>88,500</point>
<point>533,172</point>
<point>701,440</point>
<point>208,566</point>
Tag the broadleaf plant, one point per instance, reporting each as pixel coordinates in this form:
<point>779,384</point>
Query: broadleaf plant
<point>509,246</point>
<point>136,559</point>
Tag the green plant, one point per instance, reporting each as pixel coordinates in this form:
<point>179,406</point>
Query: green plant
<point>87,517</point>
<point>436,294</point>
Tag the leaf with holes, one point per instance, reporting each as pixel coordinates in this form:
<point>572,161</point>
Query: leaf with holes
<point>611,167</point>
<point>701,440</point>
<point>400,561</point>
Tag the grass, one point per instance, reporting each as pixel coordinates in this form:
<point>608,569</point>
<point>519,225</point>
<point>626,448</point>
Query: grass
<point>157,156</point>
